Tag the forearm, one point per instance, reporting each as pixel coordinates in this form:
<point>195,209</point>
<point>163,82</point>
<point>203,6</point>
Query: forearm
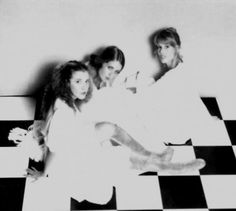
<point>48,159</point>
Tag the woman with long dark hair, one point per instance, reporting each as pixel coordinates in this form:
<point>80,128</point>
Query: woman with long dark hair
<point>106,66</point>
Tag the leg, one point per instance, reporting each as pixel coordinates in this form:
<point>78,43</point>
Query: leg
<point>114,132</point>
<point>145,164</point>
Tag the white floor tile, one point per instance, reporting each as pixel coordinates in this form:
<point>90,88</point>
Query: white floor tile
<point>13,162</point>
<point>227,106</point>
<point>17,108</point>
<point>43,195</point>
<point>214,135</point>
<point>139,193</point>
<point>220,191</point>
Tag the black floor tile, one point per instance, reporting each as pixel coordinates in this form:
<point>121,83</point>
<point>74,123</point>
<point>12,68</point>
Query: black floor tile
<point>11,194</point>
<point>182,192</point>
<point>231,129</point>
<point>222,209</point>
<point>187,143</point>
<point>6,126</point>
<point>140,210</point>
<point>219,159</point>
<point>85,205</point>
<point>148,173</point>
<point>212,106</point>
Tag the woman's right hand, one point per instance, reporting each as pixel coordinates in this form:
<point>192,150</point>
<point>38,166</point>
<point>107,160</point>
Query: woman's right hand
<point>17,135</point>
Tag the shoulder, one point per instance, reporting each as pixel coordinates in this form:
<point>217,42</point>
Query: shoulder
<point>60,104</point>
<point>62,110</point>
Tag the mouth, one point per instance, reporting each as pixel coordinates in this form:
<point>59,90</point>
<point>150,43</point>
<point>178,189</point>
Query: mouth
<point>83,93</point>
<point>162,57</point>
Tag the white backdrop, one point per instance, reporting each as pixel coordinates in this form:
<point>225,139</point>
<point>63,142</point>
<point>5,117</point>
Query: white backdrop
<point>35,34</point>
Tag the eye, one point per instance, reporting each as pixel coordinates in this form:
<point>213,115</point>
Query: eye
<point>167,46</point>
<point>117,72</point>
<point>110,68</point>
<point>158,48</point>
<point>78,81</point>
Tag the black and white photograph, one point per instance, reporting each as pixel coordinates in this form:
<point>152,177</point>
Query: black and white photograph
<point>117,105</point>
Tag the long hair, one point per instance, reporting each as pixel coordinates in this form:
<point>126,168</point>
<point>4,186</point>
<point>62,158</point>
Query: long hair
<point>110,53</point>
<point>168,35</point>
<point>58,87</point>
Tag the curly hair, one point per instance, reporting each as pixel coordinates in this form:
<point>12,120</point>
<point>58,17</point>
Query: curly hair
<point>58,87</point>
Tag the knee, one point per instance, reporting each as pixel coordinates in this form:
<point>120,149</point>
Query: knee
<point>105,130</point>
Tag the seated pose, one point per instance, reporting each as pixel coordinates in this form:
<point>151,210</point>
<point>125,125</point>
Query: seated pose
<point>176,105</point>
<point>169,110</point>
<point>76,142</point>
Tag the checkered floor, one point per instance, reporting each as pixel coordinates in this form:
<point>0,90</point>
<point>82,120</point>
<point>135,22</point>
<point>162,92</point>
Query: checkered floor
<point>213,188</point>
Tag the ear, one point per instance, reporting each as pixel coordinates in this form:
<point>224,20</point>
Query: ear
<point>178,48</point>
<point>179,51</point>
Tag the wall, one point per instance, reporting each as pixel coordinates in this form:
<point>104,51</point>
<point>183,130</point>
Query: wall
<point>35,35</point>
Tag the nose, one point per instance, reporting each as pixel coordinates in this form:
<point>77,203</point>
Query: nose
<point>84,87</point>
<point>109,72</point>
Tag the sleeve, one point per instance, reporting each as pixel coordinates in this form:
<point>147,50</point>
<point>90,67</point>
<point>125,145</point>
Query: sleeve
<point>60,130</point>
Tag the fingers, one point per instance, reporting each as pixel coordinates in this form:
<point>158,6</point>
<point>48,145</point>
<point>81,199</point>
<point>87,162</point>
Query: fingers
<point>19,131</point>
<point>17,135</point>
<point>32,170</point>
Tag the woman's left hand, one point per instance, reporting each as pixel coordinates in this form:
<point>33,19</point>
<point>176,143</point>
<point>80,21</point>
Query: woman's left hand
<point>34,173</point>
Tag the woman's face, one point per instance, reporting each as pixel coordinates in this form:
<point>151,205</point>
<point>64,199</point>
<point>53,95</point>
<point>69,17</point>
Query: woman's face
<point>109,71</point>
<point>167,54</point>
<point>79,84</point>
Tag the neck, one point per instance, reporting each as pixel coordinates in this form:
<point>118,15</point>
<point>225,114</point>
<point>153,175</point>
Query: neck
<point>77,104</point>
<point>97,81</point>
<point>173,64</point>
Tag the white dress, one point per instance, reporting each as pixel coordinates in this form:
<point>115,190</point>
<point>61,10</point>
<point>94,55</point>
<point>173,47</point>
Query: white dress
<point>80,167</point>
<point>168,111</point>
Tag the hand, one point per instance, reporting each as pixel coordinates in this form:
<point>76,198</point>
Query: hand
<point>17,135</point>
<point>33,173</point>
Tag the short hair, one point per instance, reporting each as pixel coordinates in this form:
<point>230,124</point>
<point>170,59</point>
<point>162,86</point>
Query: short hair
<point>58,86</point>
<point>168,34</point>
<point>110,53</point>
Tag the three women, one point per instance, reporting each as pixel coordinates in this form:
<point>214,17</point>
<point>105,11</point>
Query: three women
<point>74,133</point>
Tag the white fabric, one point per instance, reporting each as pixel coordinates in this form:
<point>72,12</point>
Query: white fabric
<point>80,167</point>
<point>168,111</point>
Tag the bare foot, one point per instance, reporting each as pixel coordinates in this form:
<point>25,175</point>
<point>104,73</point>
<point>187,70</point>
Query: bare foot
<point>179,168</point>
